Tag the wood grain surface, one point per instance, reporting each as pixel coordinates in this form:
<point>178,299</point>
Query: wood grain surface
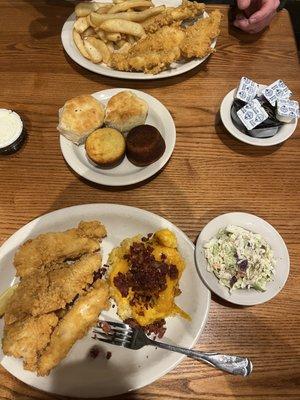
<point>210,173</point>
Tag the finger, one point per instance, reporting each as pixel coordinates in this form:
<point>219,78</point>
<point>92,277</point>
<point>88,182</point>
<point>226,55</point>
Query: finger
<point>243,4</point>
<point>267,9</point>
<point>262,25</point>
<point>242,24</point>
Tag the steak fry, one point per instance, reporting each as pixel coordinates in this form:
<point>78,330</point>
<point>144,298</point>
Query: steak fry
<point>73,326</point>
<point>49,248</point>
<point>44,292</point>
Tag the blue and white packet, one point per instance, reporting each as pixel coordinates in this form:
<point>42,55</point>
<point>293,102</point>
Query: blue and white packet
<point>276,91</point>
<point>287,110</point>
<point>252,114</point>
<point>247,90</point>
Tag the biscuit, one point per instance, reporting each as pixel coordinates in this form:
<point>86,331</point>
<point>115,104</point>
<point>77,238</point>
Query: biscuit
<point>125,111</point>
<point>79,117</point>
<point>105,147</point>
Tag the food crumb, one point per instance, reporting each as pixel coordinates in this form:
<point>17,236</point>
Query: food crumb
<point>105,327</point>
<point>108,355</point>
<point>94,351</point>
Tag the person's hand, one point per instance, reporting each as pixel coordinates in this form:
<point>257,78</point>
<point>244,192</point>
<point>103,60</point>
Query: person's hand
<point>256,14</point>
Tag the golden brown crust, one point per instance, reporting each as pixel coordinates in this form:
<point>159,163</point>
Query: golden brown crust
<point>198,37</point>
<point>125,110</point>
<point>80,116</point>
<point>105,147</point>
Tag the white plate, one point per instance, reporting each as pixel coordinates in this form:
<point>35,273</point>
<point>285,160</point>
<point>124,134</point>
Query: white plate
<point>284,132</point>
<point>125,173</point>
<point>255,224</point>
<point>78,375</point>
<point>73,52</point>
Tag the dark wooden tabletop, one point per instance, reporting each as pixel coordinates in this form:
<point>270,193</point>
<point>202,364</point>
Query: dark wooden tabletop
<point>210,173</point>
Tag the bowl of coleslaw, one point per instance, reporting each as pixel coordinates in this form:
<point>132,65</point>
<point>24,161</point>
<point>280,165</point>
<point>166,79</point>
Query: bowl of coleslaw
<point>242,258</point>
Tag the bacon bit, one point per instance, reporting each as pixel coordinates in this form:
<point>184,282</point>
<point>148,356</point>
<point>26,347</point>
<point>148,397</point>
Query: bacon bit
<point>108,355</point>
<point>146,276</point>
<point>173,272</point>
<point>94,351</point>
<point>105,327</point>
<point>157,328</point>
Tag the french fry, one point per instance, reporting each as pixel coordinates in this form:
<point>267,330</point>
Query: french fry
<point>123,26</point>
<point>5,297</point>
<point>81,24</point>
<point>80,44</point>
<point>91,46</point>
<point>89,32</point>
<point>113,37</point>
<point>126,46</point>
<point>84,9</point>
<point>101,35</point>
<point>131,39</point>
<point>126,5</point>
<point>104,10</point>
<point>120,43</point>
<point>98,48</point>
<point>111,47</point>
<point>134,16</point>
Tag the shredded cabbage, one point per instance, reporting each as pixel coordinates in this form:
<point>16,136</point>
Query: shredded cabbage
<point>240,259</point>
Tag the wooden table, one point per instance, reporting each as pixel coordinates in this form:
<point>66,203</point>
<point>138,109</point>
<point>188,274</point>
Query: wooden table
<point>210,173</point>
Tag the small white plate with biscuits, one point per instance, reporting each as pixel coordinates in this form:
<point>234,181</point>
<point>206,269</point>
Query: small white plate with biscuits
<point>125,159</point>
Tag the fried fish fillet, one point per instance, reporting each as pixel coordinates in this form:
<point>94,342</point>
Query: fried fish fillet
<point>186,10</point>
<point>198,37</point>
<point>44,291</point>
<point>27,338</point>
<point>153,53</point>
<point>73,326</point>
<point>49,248</point>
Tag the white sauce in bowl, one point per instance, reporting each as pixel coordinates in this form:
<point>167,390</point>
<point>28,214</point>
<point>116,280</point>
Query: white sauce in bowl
<point>11,127</point>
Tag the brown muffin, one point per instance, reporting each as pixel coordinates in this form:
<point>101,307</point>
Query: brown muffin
<point>144,145</point>
<point>105,147</point>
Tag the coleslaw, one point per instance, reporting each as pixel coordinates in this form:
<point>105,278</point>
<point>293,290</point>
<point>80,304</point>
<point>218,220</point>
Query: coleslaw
<point>240,259</point>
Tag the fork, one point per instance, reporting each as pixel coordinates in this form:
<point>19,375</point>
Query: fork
<point>123,335</point>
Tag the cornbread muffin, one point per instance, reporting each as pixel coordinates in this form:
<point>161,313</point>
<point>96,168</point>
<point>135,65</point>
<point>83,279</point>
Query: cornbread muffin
<point>144,145</point>
<point>105,147</point>
<point>79,117</point>
<point>125,110</point>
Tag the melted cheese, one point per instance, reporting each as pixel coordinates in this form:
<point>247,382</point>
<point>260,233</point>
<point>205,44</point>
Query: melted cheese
<point>164,242</point>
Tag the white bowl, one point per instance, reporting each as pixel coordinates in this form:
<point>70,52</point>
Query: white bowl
<point>245,297</point>
<point>284,132</point>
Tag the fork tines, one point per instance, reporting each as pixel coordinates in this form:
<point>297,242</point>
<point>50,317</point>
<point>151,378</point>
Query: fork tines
<point>119,334</point>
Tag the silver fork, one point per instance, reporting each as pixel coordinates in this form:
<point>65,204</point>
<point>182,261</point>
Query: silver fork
<point>123,335</point>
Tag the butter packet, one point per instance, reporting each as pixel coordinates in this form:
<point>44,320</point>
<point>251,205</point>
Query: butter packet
<point>277,90</point>
<point>252,114</point>
<point>247,90</point>
<point>287,110</point>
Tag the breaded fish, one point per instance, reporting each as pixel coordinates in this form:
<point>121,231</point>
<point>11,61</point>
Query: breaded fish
<point>44,292</point>
<point>73,326</point>
<point>187,10</point>
<point>198,37</point>
<point>153,53</point>
<point>49,248</point>
<point>27,338</point>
